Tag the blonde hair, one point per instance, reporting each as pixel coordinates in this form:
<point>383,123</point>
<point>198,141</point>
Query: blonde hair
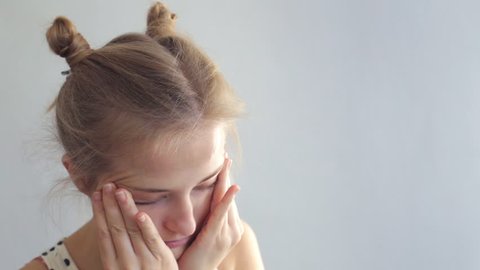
<point>138,87</point>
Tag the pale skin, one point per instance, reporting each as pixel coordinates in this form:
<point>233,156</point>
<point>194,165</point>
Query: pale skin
<point>167,211</point>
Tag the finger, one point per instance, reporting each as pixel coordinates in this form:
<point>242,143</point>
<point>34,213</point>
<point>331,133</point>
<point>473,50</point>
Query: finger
<point>227,176</point>
<point>234,226</point>
<point>129,210</point>
<point>152,238</point>
<point>233,216</point>
<point>234,220</point>
<point>218,216</point>
<point>229,165</point>
<point>116,225</point>
<point>222,184</point>
<point>105,244</point>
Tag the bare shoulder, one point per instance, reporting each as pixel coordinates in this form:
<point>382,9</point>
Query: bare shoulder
<point>246,254</point>
<point>34,265</point>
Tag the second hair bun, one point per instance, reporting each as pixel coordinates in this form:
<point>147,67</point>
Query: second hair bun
<point>160,21</point>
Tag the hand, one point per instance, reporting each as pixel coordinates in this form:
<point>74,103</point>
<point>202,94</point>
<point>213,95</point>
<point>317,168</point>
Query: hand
<point>222,230</point>
<point>127,238</point>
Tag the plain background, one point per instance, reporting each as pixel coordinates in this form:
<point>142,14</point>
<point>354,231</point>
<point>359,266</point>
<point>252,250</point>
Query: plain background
<point>361,145</point>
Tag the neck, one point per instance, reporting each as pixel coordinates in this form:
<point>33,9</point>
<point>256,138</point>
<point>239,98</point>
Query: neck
<point>82,246</point>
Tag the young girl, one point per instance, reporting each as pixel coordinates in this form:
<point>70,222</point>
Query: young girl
<point>143,121</point>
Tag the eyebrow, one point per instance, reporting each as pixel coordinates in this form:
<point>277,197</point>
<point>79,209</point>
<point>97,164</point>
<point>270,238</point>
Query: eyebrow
<point>155,190</point>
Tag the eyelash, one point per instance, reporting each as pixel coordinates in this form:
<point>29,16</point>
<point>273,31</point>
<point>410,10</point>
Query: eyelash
<point>162,198</point>
<point>204,188</point>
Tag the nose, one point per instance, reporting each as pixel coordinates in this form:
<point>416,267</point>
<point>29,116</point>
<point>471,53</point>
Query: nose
<point>181,219</point>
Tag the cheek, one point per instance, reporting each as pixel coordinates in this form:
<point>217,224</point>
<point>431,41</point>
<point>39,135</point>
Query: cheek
<point>156,213</point>
<point>201,205</point>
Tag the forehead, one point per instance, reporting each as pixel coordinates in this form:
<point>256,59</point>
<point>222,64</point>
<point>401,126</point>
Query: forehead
<point>195,157</point>
<point>194,150</point>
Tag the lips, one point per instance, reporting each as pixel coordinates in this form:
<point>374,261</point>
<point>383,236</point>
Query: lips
<point>177,243</point>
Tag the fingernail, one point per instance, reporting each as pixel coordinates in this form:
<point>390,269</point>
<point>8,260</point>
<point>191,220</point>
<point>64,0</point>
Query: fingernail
<point>108,187</point>
<point>141,217</point>
<point>96,196</point>
<point>230,164</point>
<point>121,196</point>
<point>226,155</point>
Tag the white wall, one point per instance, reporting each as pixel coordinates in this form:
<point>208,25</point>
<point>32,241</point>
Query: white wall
<point>362,144</point>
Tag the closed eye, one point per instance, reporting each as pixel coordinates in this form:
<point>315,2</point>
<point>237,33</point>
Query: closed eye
<point>148,202</point>
<point>206,187</point>
<point>144,203</point>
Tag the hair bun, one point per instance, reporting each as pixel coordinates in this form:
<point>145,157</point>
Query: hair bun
<point>160,21</point>
<point>65,41</point>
